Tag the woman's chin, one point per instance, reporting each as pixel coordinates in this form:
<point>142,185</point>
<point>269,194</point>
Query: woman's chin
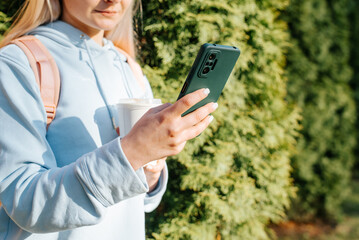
<point>106,24</point>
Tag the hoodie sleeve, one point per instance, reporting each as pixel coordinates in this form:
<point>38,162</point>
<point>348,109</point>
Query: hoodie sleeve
<point>36,194</point>
<point>153,199</point>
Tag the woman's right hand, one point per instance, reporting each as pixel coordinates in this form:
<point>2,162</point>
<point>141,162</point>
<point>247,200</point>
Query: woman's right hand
<point>163,132</point>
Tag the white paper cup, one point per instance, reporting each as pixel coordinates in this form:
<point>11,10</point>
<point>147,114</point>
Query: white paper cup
<point>131,110</point>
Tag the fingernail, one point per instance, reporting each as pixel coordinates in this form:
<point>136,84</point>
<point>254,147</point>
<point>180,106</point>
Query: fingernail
<point>211,118</point>
<point>206,91</point>
<point>215,106</point>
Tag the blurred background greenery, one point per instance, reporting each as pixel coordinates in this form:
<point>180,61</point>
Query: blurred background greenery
<point>281,158</point>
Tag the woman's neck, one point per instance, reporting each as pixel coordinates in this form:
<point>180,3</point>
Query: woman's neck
<point>95,34</point>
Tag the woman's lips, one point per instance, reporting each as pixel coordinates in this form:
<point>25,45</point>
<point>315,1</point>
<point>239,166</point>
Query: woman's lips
<point>106,13</point>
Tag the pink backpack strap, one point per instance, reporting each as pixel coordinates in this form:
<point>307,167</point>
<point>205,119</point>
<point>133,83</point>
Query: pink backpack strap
<point>136,68</point>
<point>46,72</point>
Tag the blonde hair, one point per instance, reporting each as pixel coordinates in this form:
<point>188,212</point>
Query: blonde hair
<point>37,12</point>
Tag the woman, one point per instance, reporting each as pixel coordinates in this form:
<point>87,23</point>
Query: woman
<point>78,179</point>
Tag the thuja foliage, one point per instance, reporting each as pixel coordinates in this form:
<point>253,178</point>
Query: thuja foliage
<point>354,19</point>
<point>4,23</point>
<point>10,7</point>
<point>319,74</point>
<point>7,9</point>
<point>234,179</point>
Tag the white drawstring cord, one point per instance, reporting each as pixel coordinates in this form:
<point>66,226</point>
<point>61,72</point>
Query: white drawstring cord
<point>99,84</point>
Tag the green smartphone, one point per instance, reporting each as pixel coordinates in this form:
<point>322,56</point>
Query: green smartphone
<point>211,69</point>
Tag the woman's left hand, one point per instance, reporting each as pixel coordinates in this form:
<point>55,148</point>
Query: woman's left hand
<point>153,173</point>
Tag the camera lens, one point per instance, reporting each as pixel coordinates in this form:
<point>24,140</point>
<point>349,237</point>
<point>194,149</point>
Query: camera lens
<point>212,56</point>
<point>205,70</point>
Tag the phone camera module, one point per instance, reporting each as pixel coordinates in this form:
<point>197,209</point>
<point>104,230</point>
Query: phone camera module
<point>212,56</point>
<point>205,70</point>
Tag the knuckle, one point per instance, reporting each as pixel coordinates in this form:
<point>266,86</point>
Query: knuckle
<point>202,113</point>
<point>173,129</point>
<point>199,116</point>
<point>187,102</point>
<point>172,132</point>
<point>161,119</point>
<point>174,142</point>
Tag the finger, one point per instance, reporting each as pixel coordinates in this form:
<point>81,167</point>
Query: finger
<point>189,100</point>
<point>157,167</point>
<point>156,163</point>
<point>198,128</point>
<point>198,115</point>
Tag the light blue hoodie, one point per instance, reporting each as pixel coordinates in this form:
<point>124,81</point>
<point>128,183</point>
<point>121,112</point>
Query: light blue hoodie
<point>72,181</point>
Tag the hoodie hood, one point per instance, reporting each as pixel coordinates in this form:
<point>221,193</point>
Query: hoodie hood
<point>70,37</point>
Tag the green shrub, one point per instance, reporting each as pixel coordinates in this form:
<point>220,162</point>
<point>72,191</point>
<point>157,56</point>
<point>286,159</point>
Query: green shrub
<point>7,10</point>
<point>4,23</point>
<point>319,74</point>
<point>10,7</point>
<point>354,19</point>
<point>235,178</point>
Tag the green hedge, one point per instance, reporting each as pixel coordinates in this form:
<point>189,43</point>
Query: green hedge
<point>319,74</point>
<point>235,178</point>
<point>10,7</point>
<point>354,19</point>
<point>7,9</point>
<point>4,23</point>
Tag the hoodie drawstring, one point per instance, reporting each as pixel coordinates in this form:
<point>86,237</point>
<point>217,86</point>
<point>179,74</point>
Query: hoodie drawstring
<point>110,110</point>
<point>122,70</point>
